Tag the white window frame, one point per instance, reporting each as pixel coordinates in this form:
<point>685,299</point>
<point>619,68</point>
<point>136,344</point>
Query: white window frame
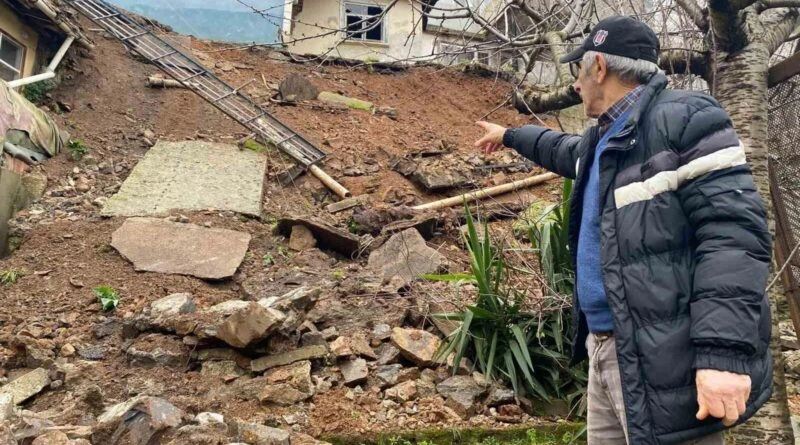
<point>455,52</point>
<point>18,70</point>
<point>384,22</point>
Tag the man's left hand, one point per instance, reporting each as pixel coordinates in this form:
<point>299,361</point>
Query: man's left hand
<point>721,394</point>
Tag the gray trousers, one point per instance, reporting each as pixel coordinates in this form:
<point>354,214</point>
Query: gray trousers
<point>605,412</point>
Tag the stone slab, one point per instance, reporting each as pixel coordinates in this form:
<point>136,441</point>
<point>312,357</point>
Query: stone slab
<point>26,386</point>
<point>191,175</point>
<point>157,245</point>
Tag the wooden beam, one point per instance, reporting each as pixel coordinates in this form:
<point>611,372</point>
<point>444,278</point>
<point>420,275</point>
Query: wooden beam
<point>782,71</point>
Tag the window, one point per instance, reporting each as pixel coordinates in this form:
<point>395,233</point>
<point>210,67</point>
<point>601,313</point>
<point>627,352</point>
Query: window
<point>11,55</point>
<point>364,22</point>
<point>454,54</point>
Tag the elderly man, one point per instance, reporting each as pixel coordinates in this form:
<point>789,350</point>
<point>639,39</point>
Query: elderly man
<point>670,243</point>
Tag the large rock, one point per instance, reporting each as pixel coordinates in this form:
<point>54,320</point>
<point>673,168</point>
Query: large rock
<point>256,434</point>
<point>461,392</point>
<point>193,175</point>
<point>158,350</point>
<point>171,305</point>
<point>402,392</point>
<point>140,420</point>
<point>27,385</point>
<point>305,439</point>
<point>228,307</point>
<point>52,438</point>
<point>157,245</point>
<point>295,87</point>
<point>404,258</point>
<point>301,239</point>
<point>247,325</point>
<point>300,354</point>
<point>354,345</point>
<point>416,345</point>
<point>288,385</point>
<point>499,395</point>
<point>226,370</point>
<point>298,299</point>
<point>354,371</point>
<point>6,408</point>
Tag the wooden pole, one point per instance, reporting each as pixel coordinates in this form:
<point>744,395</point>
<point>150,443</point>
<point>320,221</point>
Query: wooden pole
<point>160,82</point>
<point>329,182</point>
<point>487,192</point>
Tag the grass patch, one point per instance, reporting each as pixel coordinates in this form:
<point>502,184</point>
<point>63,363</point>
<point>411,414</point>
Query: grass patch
<point>10,276</point>
<point>555,434</point>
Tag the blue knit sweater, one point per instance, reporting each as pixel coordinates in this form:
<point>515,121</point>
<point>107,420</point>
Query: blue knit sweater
<point>591,292</point>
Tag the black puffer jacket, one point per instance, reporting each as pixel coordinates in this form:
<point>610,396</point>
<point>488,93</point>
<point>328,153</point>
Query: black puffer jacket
<point>685,254</point>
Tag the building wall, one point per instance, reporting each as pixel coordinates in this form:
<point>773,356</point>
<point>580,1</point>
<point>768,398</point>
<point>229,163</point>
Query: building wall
<point>401,21</point>
<point>11,25</point>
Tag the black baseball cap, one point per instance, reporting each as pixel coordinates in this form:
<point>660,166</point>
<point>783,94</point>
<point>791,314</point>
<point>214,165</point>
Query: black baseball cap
<point>620,36</point>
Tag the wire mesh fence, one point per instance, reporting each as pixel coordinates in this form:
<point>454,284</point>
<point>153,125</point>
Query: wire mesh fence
<point>784,165</point>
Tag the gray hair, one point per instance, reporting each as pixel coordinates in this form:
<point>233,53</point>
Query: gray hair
<point>628,70</point>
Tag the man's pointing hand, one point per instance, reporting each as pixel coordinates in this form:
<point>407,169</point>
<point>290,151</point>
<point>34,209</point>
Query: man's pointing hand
<point>492,140</point>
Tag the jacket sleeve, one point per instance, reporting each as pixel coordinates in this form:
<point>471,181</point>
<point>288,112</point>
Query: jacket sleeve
<point>733,245</point>
<point>553,150</point>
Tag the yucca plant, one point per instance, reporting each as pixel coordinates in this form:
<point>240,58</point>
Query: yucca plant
<point>548,232</point>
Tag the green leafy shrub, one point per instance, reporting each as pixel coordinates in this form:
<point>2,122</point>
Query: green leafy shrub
<point>108,296</point>
<point>77,149</point>
<point>36,92</point>
<point>10,276</point>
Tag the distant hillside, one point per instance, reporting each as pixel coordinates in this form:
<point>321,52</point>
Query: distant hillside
<point>226,21</point>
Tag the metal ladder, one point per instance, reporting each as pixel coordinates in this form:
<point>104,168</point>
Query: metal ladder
<point>197,78</point>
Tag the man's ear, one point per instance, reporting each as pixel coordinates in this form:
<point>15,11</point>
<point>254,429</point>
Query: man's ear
<point>602,68</point>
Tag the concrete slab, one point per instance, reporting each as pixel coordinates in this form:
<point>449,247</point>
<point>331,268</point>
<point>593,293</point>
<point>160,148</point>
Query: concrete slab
<point>157,245</point>
<point>191,175</point>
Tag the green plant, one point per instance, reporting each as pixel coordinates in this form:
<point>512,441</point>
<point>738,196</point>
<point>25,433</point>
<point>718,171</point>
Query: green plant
<point>36,92</point>
<point>10,276</point>
<point>77,149</point>
<point>338,275</point>
<point>548,231</point>
<point>268,260</point>
<point>354,227</point>
<point>108,296</point>
<point>526,350</point>
<point>369,61</point>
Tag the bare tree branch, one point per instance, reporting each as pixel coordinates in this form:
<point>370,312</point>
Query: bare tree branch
<point>780,29</point>
<point>679,61</point>
<point>784,70</point>
<point>697,14</point>
<point>763,5</point>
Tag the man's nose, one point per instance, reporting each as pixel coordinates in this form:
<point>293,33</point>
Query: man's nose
<point>577,87</point>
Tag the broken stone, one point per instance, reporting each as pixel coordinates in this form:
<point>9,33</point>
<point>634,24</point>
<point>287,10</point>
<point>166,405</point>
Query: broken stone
<point>354,371</point>
<point>137,421</point>
<point>425,388</point>
<point>247,325</point>
<point>207,434</point>
<point>298,299</point>
<point>387,375</point>
<point>281,394</point>
<point>52,438</point>
<point>313,338</point>
<point>387,354</point>
<point>436,180</point>
<point>355,345</point>
<point>228,307</point>
<point>416,345</point>
<point>304,353</point>
<point>405,257</point>
<point>91,352</point>
<point>298,88</point>
<point>206,418</point>
<point>6,408</point>
<point>301,239</point>
<point>67,350</point>
<point>461,393</point>
<point>345,204</point>
<point>175,304</point>
<point>26,386</point>
<point>156,245</point>
<point>223,354</point>
<point>402,392</point>
<point>297,375</point>
<point>158,350</point>
<point>327,236</point>
<point>256,434</point>
<point>226,370</point>
<point>329,333</point>
<point>510,414</point>
<point>380,333</point>
<point>500,396</point>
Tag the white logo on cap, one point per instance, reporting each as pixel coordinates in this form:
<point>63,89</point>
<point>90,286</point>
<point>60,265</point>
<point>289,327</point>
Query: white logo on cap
<point>600,37</point>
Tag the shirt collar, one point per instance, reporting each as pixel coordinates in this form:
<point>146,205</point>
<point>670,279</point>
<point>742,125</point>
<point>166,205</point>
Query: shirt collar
<point>620,107</point>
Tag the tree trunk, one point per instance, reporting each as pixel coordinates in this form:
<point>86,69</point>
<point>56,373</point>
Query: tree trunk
<point>741,87</point>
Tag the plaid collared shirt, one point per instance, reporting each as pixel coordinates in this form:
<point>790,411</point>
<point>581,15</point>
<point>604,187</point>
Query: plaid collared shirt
<point>606,119</point>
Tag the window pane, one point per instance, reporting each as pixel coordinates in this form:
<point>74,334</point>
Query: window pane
<point>375,33</point>
<point>353,26</point>
<point>10,53</point>
<point>355,9</point>
<point>7,74</point>
<point>374,10</point>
